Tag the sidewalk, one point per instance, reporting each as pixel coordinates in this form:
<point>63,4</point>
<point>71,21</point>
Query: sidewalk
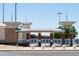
<point>9,47</point>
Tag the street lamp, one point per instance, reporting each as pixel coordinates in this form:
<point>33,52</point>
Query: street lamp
<point>15,12</point>
<point>3,12</point>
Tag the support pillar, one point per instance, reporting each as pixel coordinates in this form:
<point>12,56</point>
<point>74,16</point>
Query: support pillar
<point>62,35</point>
<point>20,38</point>
<point>39,39</point>
<point>51,38</point>
<point>27,37</point>
<point>71,39</point>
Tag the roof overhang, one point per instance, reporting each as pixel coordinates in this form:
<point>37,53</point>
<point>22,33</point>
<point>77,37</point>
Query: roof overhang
<point>40,30</point>
<point>12,23</point>
<point>67,22</point>
<point>24,23</point>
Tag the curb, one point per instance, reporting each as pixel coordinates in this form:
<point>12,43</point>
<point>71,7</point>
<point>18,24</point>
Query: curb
<point>38,50</point>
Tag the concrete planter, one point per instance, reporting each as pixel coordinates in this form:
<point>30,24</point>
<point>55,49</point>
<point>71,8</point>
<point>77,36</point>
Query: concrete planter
<point>32,46</point>
<point>17,45</point>
<point>43,46</point>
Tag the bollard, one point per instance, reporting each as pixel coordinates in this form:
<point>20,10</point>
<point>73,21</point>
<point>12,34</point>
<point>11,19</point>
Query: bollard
<point>32,46</point>
<point>53,46</point>
<point>64,46</point>
<point>43,46</point>
<point>17,45</point>
<point>74,46</point>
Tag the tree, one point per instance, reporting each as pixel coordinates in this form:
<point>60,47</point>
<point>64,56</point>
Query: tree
<point>70,32</point>
<point>56,35</point>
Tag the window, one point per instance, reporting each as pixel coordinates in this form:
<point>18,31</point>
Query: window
<point>43,41</point>
<point>59,41</point>
<point>67,41</point>
<point>55,41</point>
<point>31,41</point>
<point>34,41</point>
<point>46,41</point>
<point>77,41</point>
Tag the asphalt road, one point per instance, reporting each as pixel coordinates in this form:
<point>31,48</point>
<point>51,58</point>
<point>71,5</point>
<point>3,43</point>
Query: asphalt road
<point>39,53</point>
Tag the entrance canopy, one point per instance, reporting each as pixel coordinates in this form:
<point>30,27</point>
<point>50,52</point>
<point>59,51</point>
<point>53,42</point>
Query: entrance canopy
<point>40,30</point>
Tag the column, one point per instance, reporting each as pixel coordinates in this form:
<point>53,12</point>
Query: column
<point>27,38</point>
<point>51,38</point>
<point>20,36</point>
<point>51,35</point>
<point>71,39</point>
<point>27,35</point>
<point>62,35</point>
<point>39,39</point>
<point>39,35</point>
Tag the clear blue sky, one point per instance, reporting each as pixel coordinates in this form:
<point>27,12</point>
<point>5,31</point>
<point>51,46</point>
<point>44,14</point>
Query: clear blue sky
<point>42,15</point>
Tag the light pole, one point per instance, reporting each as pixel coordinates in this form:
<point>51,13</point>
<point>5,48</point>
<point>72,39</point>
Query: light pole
<point>3,12</point>
<point>15,12</point>
<point>59,13</point>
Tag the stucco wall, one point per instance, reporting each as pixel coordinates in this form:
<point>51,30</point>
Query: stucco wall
<point>2,33</point>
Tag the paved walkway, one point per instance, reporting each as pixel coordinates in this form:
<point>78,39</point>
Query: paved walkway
<point>9,47</point>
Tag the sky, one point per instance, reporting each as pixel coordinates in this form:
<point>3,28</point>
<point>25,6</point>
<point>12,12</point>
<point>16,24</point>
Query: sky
<point>42,15</point>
